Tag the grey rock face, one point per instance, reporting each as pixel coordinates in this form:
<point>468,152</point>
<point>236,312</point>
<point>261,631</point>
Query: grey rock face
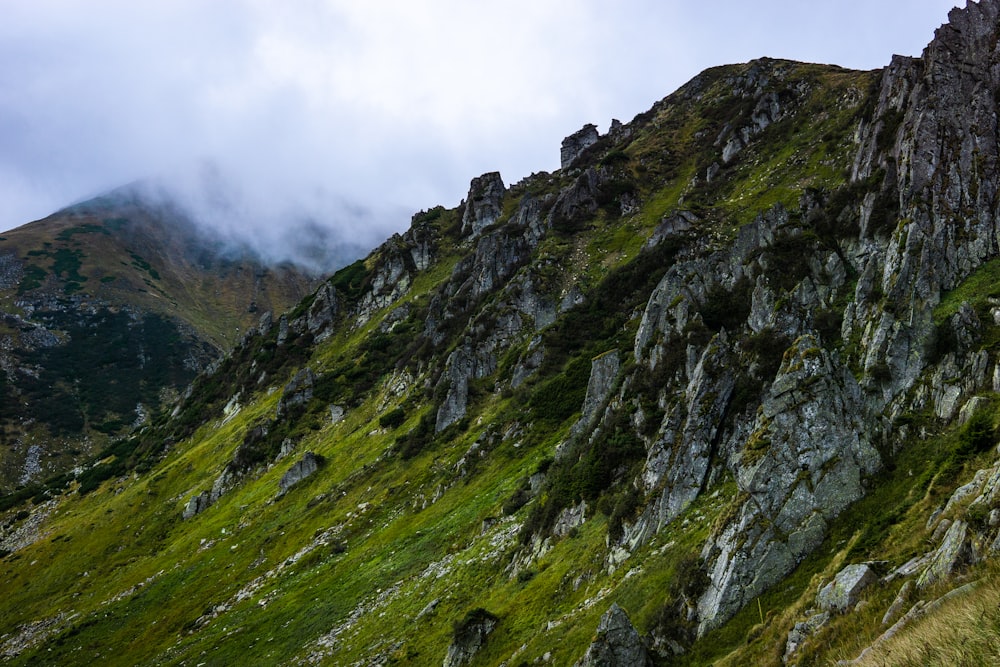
<point>956,550</point>
<point>297,392</point>
<point>576,143</point>
<point>197,505</point>
<point>803,465</point>
<point>469,640</point>
<point>677,462</point>
<point>301,469</point>
<point>484,203</point>
<point>673,225</point>
<point>603,373</point>
<point>319,318</point>
<point>618,644</point>
<point>579,200</point>
<point>801,632</point>
<point>844,591</point>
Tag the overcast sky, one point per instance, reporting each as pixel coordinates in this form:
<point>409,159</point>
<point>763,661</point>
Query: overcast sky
<point>358,113</point>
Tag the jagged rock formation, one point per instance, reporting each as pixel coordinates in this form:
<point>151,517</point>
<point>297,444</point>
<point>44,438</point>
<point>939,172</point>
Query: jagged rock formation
<point>470,636</point>
<point>300,470</point>
<point>617,643</point>
<point>750,331</point>
<point>576,143</point>
<point>484,203</point>
<point>843,592</point>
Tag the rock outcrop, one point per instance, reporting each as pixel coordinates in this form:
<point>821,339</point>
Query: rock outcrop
<point>484,204</point>
<point>844,591</point>
<point>470,636</point>
<point>297,392</point>
<point>617,643</point>
<point>300,470</point>
<point>576,143</point>
<point>803,464</point>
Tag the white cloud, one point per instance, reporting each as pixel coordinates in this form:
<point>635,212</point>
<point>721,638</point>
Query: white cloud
<point>389,104</point>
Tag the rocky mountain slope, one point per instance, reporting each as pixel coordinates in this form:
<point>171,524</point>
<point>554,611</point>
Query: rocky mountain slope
<point>109,308</point>
<point>722,389</point>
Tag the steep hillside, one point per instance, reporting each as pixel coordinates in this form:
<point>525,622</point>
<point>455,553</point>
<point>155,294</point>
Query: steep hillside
<point>109,308</point>
<point>722,389</point>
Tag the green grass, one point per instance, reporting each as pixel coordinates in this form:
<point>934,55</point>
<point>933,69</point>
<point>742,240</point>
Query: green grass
<point>146,587</point>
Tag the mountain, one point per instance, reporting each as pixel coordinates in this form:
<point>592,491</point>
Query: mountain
<point>109,308</point>
<point>720,390</point>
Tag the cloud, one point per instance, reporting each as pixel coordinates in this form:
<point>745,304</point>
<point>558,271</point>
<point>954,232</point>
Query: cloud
<point>316,109</point>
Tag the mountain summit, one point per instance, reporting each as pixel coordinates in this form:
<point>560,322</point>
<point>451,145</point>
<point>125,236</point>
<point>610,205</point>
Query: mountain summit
<point>721,390</point>
<point>109,308</point>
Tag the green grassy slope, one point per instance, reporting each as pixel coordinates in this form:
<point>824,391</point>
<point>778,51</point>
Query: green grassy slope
<point>403,531</point>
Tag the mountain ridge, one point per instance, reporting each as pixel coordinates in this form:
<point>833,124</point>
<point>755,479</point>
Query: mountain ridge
<point>110,307</point>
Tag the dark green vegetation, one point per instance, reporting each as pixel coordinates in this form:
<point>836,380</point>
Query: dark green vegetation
<point>417,530</point>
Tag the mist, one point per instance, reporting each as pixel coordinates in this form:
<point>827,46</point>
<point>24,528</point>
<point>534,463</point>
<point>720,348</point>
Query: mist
<point>284,124</point>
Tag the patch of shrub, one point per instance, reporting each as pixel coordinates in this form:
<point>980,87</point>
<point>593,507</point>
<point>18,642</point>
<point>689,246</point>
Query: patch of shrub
<point>978,435</point>
<point>417,438</point>
<point>727,309</point>
<point>392,419</point>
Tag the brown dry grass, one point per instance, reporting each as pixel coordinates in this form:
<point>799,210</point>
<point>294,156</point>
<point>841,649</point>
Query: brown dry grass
<point>963,631</point>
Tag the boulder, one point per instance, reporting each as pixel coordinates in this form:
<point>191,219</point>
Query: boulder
<point>197,505</point>
<point>802,631</point>
<point>956,550</point>
<point>603,373</point>
<point>617,644</point>
<point>304,467</point>
<point>844,591</point>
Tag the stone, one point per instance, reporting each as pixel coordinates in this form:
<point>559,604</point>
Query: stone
<point>843,592</point>
<point>336,414</point>
<point>801,467</point>
<point>570,518</point>
<point>484,203</point>
<point>955,551</point>
<point>617,643</point>
<point>576,143</point>
<point>298,391</point>
<point>470,636</point>
<point>197,505</point>
<point>300,470</point>
<point>603,373</point>
<point>802,631</point>
<point>321,314</point>
<point>672,225</point>
<point>902,598</point>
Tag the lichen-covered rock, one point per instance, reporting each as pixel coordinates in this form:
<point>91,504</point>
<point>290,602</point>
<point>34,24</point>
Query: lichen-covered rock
<point>576,143</point>
<point>956,550</point>
<point>617,644</point>
<point>801,467</point>
<point>844,591</point>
